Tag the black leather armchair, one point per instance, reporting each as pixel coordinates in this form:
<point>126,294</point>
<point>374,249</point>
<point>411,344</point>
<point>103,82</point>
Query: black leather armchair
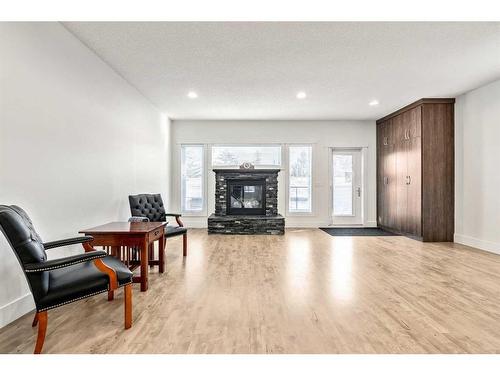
<point>150,207</point>
<point>58,282</point>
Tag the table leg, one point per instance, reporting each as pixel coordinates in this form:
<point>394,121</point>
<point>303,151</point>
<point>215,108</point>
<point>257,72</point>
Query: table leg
<point>161,253</point>
<point>144,265</point>
<point>151,253</point>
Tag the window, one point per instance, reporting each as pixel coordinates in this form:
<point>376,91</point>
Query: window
<point>300,176</point>
<point>192,172</point>
<point>233,156</point>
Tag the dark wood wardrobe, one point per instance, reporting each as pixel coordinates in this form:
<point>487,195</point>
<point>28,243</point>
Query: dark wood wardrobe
<point>415,170</point>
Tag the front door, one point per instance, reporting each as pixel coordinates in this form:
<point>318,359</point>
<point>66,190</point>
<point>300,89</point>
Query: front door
<point>347,187</point>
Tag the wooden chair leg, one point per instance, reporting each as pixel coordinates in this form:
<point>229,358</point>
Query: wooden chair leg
<point>111,295</point>
<point>42,329</point>
<point>128,306</point>
<point>35,320</point>
<point>184,244</point>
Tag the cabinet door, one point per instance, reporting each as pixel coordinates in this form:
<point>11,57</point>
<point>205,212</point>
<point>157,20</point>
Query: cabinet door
<point>380,173</point>
<point>389,133</point>
<point>399,128</point>
<point>381,130</point>
<point>414,217</point>
<point>390,200</point>
<point>401,185</point>
<point>381,188</point>
<point>415,122</point>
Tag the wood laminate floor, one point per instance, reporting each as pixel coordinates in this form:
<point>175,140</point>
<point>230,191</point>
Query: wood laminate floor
<point>304,292</point>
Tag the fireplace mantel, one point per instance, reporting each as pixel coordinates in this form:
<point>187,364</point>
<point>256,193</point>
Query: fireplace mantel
<point>238,170</point>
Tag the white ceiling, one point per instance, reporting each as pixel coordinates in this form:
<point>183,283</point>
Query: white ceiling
<point>254,70</point>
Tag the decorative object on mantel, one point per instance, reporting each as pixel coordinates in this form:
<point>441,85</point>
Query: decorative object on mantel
<point>247,165</point>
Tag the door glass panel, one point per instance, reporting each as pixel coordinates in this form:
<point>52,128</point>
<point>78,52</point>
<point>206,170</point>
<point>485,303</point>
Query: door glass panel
<point>342,185</point>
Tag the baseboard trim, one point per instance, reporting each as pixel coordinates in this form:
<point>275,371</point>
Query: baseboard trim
<point>15,309</point>
<point>489,246</point>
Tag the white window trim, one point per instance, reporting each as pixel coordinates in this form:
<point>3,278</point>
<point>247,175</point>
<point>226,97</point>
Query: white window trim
<point>203,211</point>
<point>287,179</point>
<point>265,166</point>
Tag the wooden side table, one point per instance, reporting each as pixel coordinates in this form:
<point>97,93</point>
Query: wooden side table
<point>117,236</point>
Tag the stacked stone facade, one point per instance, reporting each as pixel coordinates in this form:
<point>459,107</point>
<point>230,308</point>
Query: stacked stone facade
<point>222,223</point>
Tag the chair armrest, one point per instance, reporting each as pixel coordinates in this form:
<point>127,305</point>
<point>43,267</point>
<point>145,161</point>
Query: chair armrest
<point>177,218</point>
<point>175,215</point>
<point>138,219</point>
<point>66,242</point>
<point>64,262</point>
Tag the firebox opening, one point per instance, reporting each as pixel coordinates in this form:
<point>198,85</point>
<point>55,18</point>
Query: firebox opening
<point>246,197</point>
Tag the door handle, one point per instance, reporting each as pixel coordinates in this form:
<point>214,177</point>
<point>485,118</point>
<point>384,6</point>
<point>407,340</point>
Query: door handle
<point>358,191</point>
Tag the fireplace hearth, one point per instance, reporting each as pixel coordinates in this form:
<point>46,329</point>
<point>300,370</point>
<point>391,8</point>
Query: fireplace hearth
<point>246,202</point>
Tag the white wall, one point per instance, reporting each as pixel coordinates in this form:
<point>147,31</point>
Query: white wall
<point>477,168</point>
<point>75,140</point>
<point>322,134</point>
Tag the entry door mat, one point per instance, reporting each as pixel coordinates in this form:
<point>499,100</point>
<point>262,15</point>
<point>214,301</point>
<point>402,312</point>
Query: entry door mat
<point>357,232</point>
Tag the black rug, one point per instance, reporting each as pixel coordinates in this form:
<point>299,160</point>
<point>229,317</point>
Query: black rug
<point>357,232</point>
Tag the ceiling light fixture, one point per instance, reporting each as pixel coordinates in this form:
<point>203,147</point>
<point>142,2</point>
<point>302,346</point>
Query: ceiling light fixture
<point>373,103</point>
<point>301,95</point>
<point>192,95</point>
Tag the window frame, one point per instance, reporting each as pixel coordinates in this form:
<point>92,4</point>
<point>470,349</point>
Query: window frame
<point>203,211</point>
<point>309,212</point>
<point>262,166</point>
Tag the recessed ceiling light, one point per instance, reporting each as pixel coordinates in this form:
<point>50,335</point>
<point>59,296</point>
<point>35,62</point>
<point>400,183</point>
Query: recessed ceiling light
<point>301,95</point>
<point>192,95</point>
<point>373,103</point>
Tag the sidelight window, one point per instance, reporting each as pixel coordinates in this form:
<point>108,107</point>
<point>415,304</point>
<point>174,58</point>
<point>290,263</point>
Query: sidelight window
<point>192,178</point>
<point>300,179</point>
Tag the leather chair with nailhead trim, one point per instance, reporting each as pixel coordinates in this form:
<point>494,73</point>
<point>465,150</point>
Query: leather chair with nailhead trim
<point>57,282</point>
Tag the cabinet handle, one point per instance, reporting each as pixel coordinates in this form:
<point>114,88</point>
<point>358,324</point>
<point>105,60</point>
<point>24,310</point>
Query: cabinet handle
<point>386,180</point>
<point>385,141</point>
<point>409,180</point>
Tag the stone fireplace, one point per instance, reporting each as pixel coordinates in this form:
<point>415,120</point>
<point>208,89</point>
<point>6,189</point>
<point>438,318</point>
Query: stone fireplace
<point>246,202</point>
